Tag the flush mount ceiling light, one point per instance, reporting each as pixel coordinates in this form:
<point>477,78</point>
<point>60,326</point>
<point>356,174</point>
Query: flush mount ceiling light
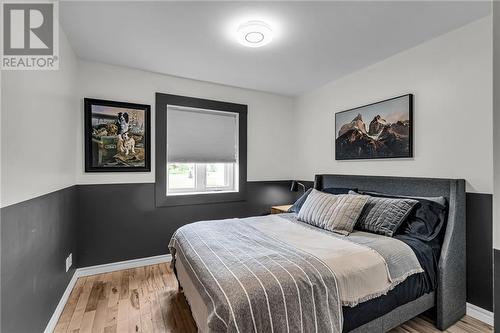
<point>254,33</point>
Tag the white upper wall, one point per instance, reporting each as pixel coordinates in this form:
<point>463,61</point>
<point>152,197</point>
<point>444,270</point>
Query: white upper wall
<point>270,118</point>
<point>451,78</point>
<point>39,118</point>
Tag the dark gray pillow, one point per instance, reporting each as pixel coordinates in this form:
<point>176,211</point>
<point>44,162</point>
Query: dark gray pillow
<point>339,190</point>
<point>426,220</point>
<point>384,215</point>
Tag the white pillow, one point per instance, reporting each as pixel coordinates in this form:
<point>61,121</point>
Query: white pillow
<point>337,213</point>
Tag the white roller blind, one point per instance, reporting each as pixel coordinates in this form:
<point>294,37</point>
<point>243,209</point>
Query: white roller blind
<point>201,136</point>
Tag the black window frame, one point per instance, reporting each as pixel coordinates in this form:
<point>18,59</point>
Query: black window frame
<point>162,103</point>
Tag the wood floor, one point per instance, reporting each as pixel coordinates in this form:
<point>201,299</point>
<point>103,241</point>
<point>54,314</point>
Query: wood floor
<point>145,299</point>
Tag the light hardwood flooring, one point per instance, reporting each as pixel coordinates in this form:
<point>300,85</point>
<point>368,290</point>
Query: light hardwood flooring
<point>145,299</point>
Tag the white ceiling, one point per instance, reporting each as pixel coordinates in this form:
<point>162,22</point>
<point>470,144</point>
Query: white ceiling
<point>315,42</point>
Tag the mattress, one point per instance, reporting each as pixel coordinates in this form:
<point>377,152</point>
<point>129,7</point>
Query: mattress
<point>198,308</point>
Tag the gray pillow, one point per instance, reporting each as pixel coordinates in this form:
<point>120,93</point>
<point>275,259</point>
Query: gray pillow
<point>332,190</point>
<point>337,213</point>
<point>426,220</point>
<point>384,215</point>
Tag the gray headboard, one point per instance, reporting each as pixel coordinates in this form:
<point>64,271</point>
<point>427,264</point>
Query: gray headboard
<point>451,292</point>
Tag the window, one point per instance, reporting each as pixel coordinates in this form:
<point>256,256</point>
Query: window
<point>181,176</point>
<point>201,151</point>
<point>189,178</point>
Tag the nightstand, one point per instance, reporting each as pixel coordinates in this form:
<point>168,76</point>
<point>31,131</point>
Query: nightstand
<point>280,209</point>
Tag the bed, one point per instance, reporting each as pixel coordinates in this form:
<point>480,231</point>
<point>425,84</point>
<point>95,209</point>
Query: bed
<point>275,273</point>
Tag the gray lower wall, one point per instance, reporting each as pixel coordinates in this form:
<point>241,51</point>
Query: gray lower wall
<point>496,257</point>
<point>36,237</point>
<point>108,223</point>
<point>121,222</point>
<point>479,250</point>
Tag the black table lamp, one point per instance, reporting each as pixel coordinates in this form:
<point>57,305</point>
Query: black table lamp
<point>295,186</point>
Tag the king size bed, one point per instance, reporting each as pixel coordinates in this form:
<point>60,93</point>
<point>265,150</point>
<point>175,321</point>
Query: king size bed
<point>285,273</point>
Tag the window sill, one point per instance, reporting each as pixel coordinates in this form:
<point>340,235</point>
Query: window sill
<point>202,198</point>
<point>173,194</point>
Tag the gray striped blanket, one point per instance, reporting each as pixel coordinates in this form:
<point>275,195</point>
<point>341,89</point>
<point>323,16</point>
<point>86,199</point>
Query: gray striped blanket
<point>255,283</point>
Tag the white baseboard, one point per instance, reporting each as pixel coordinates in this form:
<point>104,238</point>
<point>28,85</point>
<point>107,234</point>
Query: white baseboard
<point>117,266</point>
<point>480,314</point>
<point>99,269</point>
<point>51,325</point>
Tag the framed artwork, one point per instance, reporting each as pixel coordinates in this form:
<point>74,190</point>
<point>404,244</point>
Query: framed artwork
<point>117,136</point>
<point>379,130</point>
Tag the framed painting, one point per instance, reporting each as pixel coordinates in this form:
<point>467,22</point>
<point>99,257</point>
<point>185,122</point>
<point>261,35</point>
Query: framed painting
<point>117,136</point>
<point>374,131</point>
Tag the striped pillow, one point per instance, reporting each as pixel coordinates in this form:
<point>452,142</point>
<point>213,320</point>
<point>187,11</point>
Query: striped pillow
<point>337,213</point>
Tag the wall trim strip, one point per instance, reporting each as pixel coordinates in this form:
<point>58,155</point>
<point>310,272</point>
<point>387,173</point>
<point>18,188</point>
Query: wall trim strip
<point>99,269</point>
<point>480,314</point>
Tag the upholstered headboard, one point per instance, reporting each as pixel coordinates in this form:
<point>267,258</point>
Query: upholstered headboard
<point>451,292</point>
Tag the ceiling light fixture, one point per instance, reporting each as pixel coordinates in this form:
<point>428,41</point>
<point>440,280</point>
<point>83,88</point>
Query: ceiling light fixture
<point>254,33</point>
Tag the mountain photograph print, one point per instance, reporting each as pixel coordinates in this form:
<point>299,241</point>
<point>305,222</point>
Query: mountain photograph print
<point>379,130</point>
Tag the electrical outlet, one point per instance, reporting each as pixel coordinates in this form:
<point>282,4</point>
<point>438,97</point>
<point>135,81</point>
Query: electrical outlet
<point>69,261</point>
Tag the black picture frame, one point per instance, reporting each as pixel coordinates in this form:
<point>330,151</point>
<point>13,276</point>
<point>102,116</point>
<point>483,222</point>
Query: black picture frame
<point>407,152</point>
<point>92,141</point>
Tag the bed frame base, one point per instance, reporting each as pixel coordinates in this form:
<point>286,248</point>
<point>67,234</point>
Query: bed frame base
<point>400,314</point>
